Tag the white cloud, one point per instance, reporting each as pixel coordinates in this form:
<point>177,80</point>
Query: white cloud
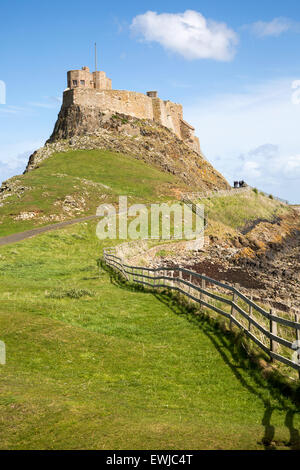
<point>253,135</point>
<point>264,167</point>
<point>289,166</point>
<point>189,34</point>
<point>252,169</point>
<point>40,104</point>
<point>275,27</point>
<point>51,102</point>
<point>10,109</point>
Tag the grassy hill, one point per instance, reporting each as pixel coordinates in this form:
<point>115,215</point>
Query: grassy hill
<point>230,216</point>
<point>93,364</point>
<point>71,184</point>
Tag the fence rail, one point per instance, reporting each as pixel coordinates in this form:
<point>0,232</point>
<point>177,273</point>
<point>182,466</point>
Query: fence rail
<point>228,192</point>
<point>220,192</point>
<point>263,327</point>
<point>284,201</point>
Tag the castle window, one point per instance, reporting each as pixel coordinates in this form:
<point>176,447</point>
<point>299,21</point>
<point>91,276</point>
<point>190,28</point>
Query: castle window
<point>82,82</point>
<point>75,82</point>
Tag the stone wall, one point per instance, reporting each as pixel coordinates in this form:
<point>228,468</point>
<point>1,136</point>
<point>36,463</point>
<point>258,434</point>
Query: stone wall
<point>187,134</point>
<point>137,105</point>
<point>119,101</point>
<point>174,113</point>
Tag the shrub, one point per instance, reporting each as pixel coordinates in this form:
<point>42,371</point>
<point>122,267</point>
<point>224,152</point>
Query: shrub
<point>255,190</point>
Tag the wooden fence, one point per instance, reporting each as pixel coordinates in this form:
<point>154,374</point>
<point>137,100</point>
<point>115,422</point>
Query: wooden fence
<point>218,193</point>
<point>284,201</point>
<point>277,336</point>
<point>187,200</point>
<point>227,192</point>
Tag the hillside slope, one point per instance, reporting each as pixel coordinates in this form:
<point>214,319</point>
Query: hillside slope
<point>80,127</point>
<point>72,184</point>
<point>93,157</point>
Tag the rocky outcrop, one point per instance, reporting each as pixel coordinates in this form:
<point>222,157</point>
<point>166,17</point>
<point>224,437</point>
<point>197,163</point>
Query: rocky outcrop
<point>11,187</point>
<point>80,127</point>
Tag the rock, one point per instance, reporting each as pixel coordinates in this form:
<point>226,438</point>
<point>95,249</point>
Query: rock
<point>84,127</point>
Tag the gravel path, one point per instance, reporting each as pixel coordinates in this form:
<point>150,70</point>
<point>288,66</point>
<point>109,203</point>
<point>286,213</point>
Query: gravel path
<point>17,237</point>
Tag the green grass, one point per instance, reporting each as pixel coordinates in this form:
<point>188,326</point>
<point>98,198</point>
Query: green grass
<point>119,369</point>
<point>96,176</point>
<point>234,212</point>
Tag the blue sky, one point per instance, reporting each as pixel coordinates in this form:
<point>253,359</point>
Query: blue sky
<point>231,64</point>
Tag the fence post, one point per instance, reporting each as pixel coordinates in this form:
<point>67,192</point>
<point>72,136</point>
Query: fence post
<point>297,336</point>
<point>273,330</point>
<point>123,271</point>
<point>158,275</point>
<point>180,277</point>
<point>172,280</point>
<point>190,281</point>
<point>250,313</point>
<point>132,275</point>
<point>232,309</point>
<point>203,286</point>
<point>297,331</point>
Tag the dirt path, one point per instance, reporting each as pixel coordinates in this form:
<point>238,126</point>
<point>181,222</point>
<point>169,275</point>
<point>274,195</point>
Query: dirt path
<point>17,237</point>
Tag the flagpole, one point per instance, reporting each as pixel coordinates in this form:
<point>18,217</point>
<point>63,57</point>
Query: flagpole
<point>95,57</point>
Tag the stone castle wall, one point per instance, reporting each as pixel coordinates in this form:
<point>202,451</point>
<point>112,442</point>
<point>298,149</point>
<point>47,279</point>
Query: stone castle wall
<point>119,101</point>
<point>137,105</point>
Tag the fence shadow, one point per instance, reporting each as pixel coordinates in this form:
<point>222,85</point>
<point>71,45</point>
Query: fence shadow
<point>230,348</point>
<point>236,358</point>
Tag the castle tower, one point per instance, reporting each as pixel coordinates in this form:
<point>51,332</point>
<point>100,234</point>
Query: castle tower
<point>85,79</point>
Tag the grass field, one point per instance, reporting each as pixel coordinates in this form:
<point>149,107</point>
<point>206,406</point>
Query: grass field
<point>92,363</point>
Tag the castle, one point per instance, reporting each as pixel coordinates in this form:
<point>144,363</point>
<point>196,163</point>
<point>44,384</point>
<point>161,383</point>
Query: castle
<point>94,89</point>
